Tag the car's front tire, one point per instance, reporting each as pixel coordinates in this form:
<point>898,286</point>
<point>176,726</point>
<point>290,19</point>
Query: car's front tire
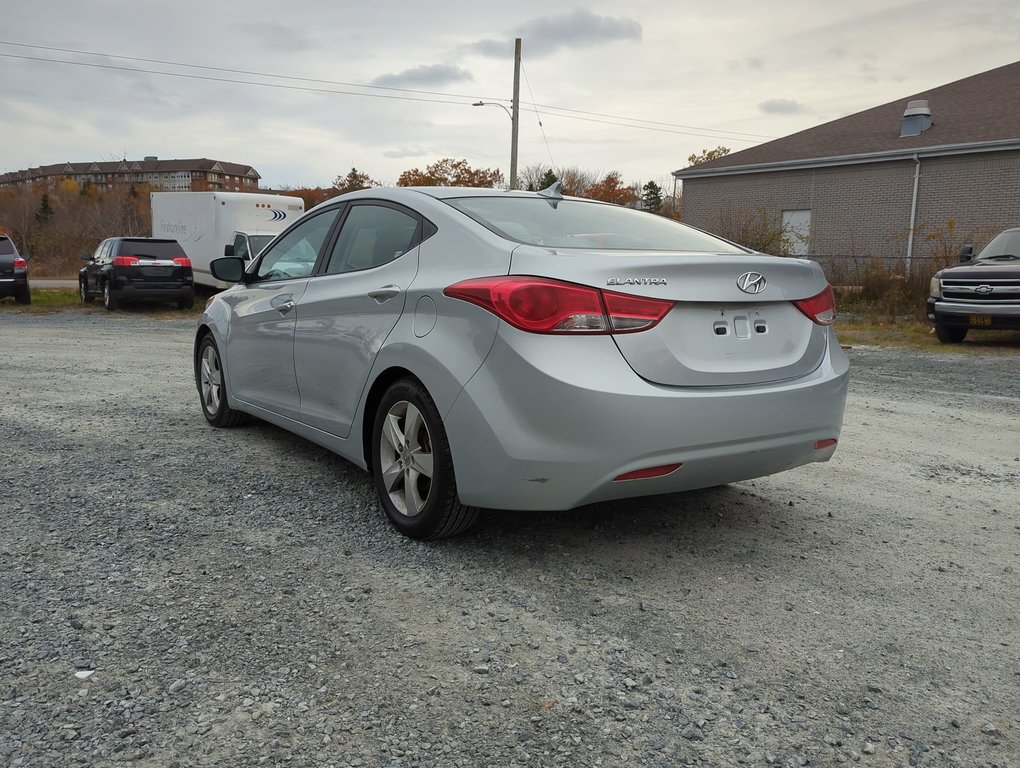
<point>413,466</point>
<point>950,334</point>
<point>212,386</point>
<point>83,292</point>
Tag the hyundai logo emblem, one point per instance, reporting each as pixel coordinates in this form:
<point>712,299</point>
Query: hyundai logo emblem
<point>751,282</point>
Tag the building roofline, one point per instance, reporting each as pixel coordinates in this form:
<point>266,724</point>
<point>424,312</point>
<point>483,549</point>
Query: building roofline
<point>1001,145</point>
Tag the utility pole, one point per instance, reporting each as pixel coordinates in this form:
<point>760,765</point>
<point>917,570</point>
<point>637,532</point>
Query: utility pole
<point>515,117</point>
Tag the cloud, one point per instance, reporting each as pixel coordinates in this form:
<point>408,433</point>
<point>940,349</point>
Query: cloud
<point>751,62</point>
<point>548,34</point>
<point>271,37</point>
<point>424,75</point>
<point>401,152</point>
<point>782,107</point>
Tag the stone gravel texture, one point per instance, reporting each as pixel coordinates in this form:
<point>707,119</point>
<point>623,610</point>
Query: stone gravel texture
<point>176,595</point>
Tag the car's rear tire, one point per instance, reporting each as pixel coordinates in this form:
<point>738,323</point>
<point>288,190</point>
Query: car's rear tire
<point>109,300</point>
<point>23,296</point>
<point>185,303</point>
<point>212,387</point>
<point>413,467</point>
<point>950,334</point>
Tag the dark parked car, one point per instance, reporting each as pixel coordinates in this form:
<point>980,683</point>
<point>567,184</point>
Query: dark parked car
<point>13,272</point>
<point>135,269</point>
<point>982,292</point>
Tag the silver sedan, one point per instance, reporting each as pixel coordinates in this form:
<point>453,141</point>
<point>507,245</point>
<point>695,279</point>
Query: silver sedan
<point>475,348</point>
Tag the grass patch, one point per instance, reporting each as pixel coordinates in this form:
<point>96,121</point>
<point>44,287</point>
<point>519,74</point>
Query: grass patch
<point>909,333</point>
<point>852,330</point>
<point>49,300</point>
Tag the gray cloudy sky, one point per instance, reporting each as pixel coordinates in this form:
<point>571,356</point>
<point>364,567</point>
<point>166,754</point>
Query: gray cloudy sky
<point>634,87</point>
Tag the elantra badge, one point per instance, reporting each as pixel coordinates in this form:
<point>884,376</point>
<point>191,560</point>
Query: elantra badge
<point>751,282</point>
<point>636,281</point>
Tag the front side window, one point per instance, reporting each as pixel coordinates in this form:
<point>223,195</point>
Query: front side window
<point>241,247</point>
<point>372,235</point>
<point>294,254</point>
<point>584,224</point>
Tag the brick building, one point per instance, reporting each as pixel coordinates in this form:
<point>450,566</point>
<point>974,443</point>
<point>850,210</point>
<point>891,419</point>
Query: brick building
<point>883,181</point>
<point>161,175</point>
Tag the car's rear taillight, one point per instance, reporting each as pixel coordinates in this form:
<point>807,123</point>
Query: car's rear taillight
<point>820,309</point>
<point>125,261</point>
<point>634,313</point>
<point>542,305</point>
<point>182,261</point>
<point>20,263</point>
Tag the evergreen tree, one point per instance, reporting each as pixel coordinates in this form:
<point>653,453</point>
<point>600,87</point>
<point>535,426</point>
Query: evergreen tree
<point>651,197</point>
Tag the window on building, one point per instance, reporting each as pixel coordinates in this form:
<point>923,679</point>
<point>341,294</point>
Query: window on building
<point>797,232</point>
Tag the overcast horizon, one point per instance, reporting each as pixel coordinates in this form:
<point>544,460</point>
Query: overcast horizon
<point>635,87</point>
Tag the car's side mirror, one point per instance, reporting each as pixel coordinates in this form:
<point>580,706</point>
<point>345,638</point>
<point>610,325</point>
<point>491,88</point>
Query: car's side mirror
<point>229,269</point>
<point>966,254</point>
<point>228,249</point>
<point>86,257</point>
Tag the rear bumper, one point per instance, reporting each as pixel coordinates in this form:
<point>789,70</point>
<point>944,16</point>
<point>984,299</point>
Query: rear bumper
<point>12,285</point>
<point>139,292</point>
<point>971,315</point>
<point>556,437</point>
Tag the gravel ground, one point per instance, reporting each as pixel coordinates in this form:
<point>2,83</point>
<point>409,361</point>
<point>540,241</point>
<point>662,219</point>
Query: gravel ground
<point>176,595</point>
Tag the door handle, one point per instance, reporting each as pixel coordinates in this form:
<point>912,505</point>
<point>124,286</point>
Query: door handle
<point>385,293</point>
<point>283,307</point>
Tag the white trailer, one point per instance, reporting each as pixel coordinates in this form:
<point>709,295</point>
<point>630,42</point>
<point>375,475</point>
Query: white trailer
<point>205,223</point>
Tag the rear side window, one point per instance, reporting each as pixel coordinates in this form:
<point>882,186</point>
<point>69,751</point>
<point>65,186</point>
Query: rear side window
<point>153,249</point>
<point>6,247</point>
<point>372,235</point>
<point>589,225</point>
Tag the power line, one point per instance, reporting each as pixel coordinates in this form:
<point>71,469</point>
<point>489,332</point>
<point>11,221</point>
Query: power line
<point>699,130</point>
<point>540,126</point>
<point>231,80</point>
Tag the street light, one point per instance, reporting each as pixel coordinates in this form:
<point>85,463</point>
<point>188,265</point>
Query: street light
<point>515,115</point>
<point>513,138</point>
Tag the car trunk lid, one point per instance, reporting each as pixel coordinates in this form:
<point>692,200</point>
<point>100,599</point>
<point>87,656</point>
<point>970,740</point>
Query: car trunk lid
<point>718,333</point>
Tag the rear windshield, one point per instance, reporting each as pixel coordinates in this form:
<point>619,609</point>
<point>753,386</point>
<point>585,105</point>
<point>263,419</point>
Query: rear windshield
<point>154,249</point>
<point>6,247</point>
<point>581,224</point>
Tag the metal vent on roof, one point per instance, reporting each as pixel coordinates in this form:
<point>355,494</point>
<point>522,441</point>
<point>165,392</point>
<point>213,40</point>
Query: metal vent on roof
<point>916,118</point>
<point>151,158</point>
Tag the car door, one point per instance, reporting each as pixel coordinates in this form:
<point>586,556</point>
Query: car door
<point>260,342</point>
<point>93,269</point>
<point>349,309</point>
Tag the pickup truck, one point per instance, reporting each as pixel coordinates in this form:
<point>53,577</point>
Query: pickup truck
<point>982,292</point>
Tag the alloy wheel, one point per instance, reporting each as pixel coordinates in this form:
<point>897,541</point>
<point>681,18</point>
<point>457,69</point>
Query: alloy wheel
<point>405,458</point>
<point>211,380</point>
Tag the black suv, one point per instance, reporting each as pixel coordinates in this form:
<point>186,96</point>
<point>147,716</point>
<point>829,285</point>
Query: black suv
<point>983,292</point>
<point>13,272</point>
<point>130,269</point>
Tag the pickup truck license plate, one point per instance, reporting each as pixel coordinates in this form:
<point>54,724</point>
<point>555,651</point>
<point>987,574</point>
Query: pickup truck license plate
<point>980,320</point>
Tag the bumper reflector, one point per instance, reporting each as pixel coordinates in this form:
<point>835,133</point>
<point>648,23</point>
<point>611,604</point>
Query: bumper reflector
<point>647,472</point>
<point>827,443</point>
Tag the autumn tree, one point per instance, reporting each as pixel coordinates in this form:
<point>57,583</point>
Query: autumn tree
<point>576,180</point>
<point>353,181</point>
<point>451,173</point>
<point>707,154</point>
<point>611,189</point>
